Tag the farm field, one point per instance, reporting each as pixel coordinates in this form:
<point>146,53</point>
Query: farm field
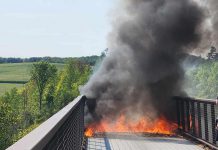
<point>16,72</point>
<point>4,87</point>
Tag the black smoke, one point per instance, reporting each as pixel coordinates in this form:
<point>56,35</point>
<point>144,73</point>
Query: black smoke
<point>143,68</point>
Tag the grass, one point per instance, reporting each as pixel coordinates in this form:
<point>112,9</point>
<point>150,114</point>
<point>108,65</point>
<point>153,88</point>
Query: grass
<point>14,74</point>
<point>18,71</point>
<point>4,87</point>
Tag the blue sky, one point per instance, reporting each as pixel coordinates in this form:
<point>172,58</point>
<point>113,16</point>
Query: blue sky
<point>63,28</point>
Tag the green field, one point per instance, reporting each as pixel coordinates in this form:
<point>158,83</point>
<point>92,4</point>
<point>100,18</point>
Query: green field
<point>16,72</point>
<point>4,87</point>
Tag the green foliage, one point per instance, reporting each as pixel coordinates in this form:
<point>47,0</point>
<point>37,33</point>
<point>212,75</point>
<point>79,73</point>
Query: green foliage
<point>41,74</point>
<point>9,117</point>
<point>90,60</point>
<point>74,74</point>
<point>19,108</point>
<point>203,80</point>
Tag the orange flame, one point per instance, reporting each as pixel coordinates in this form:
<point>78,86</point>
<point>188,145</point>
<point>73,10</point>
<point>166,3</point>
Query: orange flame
<point>89,132</point>
<point>123,124</point>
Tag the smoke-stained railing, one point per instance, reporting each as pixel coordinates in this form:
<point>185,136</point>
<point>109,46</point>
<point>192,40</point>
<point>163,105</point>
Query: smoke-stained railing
<point>197,118</point>
<point>64,130</point>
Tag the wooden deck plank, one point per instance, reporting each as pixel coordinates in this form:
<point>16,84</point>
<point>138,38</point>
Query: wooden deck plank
<point>142,143</point>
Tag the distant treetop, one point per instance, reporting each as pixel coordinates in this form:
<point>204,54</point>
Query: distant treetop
<point>91,60</point>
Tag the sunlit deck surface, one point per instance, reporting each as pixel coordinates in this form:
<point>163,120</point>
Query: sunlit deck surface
<point>127,141</point>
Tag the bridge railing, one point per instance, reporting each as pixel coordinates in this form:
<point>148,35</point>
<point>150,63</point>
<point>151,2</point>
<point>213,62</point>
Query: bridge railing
<point>64,130</point>
<point>197,118</point>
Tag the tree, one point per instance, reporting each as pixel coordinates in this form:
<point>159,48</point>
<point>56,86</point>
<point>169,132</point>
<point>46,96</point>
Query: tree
<point>203,81</point>
<point>41,74</point>
<point>74,75</point>
<point>6,121</point>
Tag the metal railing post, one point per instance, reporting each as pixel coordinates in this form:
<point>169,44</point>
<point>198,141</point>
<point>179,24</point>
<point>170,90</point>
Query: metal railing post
<point>178,114</point>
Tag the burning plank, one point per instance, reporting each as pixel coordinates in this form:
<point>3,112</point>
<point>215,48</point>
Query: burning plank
<point>125,125</point>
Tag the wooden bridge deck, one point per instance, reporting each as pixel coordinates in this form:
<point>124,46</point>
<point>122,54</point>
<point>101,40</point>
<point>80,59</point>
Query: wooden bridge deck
<point>136,142</point>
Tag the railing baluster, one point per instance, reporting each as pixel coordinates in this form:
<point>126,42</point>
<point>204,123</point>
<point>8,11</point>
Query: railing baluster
<point>178,114</point>
<point>199,120</point>
<point>197,117</point>
<point>182,116</point>
<point>213,123</point>
<point>206,122</point>
<point>187,116</point>
<point>193,118</point>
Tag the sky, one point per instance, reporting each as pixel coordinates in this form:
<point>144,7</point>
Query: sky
<point>62,28</point>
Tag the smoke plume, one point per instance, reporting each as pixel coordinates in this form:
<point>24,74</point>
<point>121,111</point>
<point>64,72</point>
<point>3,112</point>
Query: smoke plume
<point>213,14</point>
<point>142,70</point>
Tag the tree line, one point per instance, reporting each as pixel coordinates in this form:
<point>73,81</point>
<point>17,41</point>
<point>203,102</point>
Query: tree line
<point>91,60</point>
<point>22,110</point>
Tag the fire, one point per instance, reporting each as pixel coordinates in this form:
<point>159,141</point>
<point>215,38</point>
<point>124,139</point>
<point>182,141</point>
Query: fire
<point>89,132</point>
<point>123,124</point>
